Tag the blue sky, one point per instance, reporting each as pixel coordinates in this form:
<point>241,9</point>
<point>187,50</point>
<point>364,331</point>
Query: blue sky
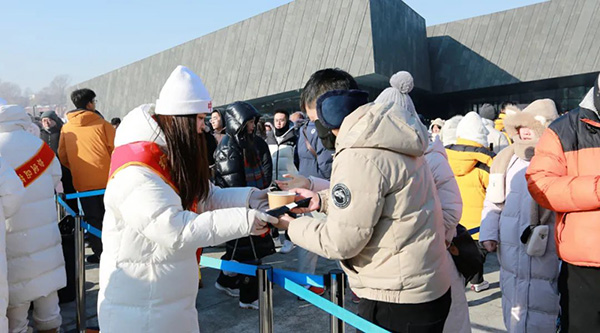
<point>40,39</point>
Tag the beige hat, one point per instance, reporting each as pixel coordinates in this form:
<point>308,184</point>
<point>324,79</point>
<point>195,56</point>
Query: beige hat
<point>183,94</point>
<point>537,116</point>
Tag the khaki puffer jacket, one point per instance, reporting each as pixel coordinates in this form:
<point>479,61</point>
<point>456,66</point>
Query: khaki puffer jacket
<point>384,220</point>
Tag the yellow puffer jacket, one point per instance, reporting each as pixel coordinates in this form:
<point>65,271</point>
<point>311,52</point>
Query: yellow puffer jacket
<point>471,164</point>
<point>499,123</point>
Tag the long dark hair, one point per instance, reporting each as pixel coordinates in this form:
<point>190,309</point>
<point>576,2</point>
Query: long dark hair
<point>187,157</point>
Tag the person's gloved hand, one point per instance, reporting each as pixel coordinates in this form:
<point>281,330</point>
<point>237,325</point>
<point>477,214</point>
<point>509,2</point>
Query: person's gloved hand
<point>259,199</point>
<point>293,181</point>
<point>259,222</point>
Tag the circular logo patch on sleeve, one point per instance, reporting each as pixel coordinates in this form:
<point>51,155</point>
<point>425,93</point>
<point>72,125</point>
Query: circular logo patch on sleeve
<point>341,195</point>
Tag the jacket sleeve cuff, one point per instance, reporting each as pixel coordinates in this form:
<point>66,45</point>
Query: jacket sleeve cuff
<point>324,199</point>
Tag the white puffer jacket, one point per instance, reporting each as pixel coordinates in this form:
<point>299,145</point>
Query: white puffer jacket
<point>446,185</point>
<point>529,284</point>
<point>33,244</point>
<point>495,137</point>
<point>11,194</point>
<point>148,270</point>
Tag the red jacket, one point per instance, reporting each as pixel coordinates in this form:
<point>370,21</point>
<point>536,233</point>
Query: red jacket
<point>564,176</point>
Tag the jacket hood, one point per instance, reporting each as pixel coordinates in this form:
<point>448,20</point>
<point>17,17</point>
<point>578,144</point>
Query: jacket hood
<point>471,127</point>
<point>380,126</point>
<point>83,117</point>
<point>13,118</point>
<point>464,160</point>
<point>237,115</point>
<point>537,116</point>
<point>138,125</point>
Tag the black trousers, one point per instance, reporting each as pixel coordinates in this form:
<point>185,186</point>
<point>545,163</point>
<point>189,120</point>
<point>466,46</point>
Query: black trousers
<point>478,278</point>
<point>93,209</point>
<point>248,285</point>
<point>407,318</point>
<point>579,289</point>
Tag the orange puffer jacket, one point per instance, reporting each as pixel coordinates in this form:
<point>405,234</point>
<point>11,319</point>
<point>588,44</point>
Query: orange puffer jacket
<point>564,176</point>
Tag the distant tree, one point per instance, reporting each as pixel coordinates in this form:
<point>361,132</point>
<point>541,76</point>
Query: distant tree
<point>55,93</point>
<point>11,92</point>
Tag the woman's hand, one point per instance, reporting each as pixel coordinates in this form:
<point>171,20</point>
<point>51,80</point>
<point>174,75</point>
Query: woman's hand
<point>295,181</point>
<point>490,245</point>
<point>259,222</point>
<point>315,202</point>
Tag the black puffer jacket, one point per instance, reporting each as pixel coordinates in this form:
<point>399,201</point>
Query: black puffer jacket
<point>230,172</point>
<point>229,156</point>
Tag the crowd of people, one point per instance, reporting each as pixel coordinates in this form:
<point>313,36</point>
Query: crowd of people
<point>409,210</point>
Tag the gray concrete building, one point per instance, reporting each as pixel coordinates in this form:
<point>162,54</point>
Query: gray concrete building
<point>549,49</point>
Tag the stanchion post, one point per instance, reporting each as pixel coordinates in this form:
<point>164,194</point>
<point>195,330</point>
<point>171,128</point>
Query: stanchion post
<point>337,280</point>
<point>265,298</point>
<point>80,275</point>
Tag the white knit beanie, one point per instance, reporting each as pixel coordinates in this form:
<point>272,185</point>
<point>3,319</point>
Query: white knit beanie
<point>183,94</point>
<point>401,84</point>
<point>471,128</point>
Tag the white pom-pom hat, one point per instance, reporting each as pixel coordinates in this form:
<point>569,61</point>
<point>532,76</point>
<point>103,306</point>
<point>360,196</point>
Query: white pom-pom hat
<point>183,94</point>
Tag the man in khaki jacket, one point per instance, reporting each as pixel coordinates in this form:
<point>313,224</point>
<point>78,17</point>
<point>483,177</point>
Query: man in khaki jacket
<point>384,221</point>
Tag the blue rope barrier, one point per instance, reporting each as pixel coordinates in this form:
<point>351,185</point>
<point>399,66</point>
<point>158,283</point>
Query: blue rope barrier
<point>333,309</point>
<point>230,266</point>
<point>84,194</point>
<point>92,230</point>
<point>299,278</point>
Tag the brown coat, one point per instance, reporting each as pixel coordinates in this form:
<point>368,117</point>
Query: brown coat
<point>86,144</point>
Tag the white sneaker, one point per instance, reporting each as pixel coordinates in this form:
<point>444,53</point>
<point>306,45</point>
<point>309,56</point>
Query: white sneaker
<point>480,287</point>
<point>228,291</point>
<point>287,247</point>
<point>251,306</point>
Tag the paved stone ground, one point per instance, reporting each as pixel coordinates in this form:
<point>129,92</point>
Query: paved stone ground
<point>220,313</point>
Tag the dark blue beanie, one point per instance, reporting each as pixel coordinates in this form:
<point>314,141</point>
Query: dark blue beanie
<point>333,106</point>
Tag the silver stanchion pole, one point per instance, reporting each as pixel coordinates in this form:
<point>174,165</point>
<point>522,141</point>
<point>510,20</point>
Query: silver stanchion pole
<point>337,280</point>
<point>80,275</point>
<point>265,299</point>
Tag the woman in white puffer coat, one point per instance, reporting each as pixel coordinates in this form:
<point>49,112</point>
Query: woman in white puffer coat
<point>530,300</point>
<point>36,268</point>
<point>11,194</point>
<point>148,270</point>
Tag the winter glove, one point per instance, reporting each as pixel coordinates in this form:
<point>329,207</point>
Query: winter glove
<point>259,222</point>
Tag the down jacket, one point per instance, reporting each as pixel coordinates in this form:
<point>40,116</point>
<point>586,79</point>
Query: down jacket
<point>564,176</point>
<point>471,164</point>
<point>34,253</point>
<point>229,156</point>
<point>86,143</point>
<point>282,152</point>
<point>308,164</point>
<point>496,139</point>
<point>529,284</point>
<point>386,226</point>
<point>148,271</point>
<point>446,185</point>
<point>11,194</point>
<point>447,190</point>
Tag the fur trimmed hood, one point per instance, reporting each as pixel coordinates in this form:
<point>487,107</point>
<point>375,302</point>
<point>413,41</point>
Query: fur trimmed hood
<point>537,116</point>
